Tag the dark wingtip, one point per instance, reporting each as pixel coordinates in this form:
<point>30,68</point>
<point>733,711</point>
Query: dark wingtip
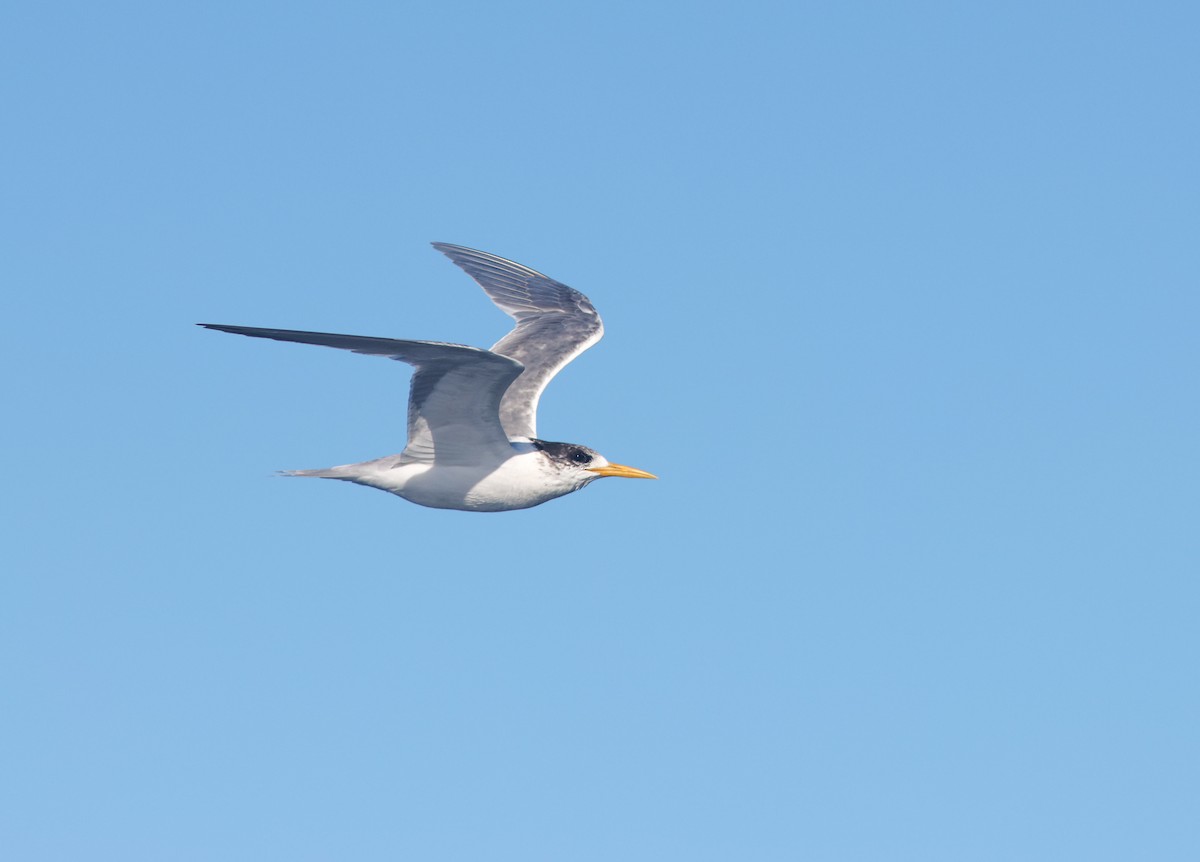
<point>449,247</point>
<point>224,327</point>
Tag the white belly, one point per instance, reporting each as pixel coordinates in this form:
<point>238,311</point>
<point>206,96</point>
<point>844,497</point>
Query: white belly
<point>517,483</point>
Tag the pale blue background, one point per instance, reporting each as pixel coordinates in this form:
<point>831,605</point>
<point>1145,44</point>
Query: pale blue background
<point>902,305</point>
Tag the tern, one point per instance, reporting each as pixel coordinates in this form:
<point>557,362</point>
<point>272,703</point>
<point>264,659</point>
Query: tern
<point>472,413</point>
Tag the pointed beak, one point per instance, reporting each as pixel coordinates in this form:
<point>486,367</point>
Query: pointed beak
<point>621,470</point>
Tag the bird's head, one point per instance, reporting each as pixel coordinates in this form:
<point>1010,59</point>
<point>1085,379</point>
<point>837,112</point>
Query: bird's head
<point>581,465</point>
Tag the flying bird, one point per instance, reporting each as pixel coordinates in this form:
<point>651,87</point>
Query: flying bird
<point>472,413</point>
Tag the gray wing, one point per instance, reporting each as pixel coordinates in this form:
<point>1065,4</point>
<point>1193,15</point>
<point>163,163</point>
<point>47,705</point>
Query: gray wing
<point>454,402</point>
<point>554,325</point>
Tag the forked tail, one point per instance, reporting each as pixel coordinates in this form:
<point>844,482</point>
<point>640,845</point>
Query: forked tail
<point>343,472</point>
<point>350,472</point>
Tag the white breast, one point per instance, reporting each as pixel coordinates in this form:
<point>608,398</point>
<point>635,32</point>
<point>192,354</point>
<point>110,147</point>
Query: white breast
<point>526,479</point>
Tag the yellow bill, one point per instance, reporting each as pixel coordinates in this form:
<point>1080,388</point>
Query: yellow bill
<point>622,470</point>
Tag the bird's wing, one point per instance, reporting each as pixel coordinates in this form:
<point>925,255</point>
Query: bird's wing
<point>554,325</point>
<point>454,402</point>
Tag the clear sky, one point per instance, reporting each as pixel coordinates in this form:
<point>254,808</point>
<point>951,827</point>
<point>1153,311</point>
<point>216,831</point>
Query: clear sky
<point>902,305</point>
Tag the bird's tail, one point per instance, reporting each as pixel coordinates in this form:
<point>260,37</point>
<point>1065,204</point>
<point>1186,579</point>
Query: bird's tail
<point>350,472</point>
<point>324,473</point>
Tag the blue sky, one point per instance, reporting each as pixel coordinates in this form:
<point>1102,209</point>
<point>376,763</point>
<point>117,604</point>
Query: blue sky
<point>901,304</point>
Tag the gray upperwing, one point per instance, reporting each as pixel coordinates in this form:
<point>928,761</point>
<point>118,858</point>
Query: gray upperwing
<point>454,400</point>
<point>554,325</point>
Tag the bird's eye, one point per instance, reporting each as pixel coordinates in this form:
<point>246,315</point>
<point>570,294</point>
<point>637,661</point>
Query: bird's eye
<point>581,458</point>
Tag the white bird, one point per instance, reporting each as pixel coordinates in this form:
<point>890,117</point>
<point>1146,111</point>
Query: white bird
<point>472,413</point>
